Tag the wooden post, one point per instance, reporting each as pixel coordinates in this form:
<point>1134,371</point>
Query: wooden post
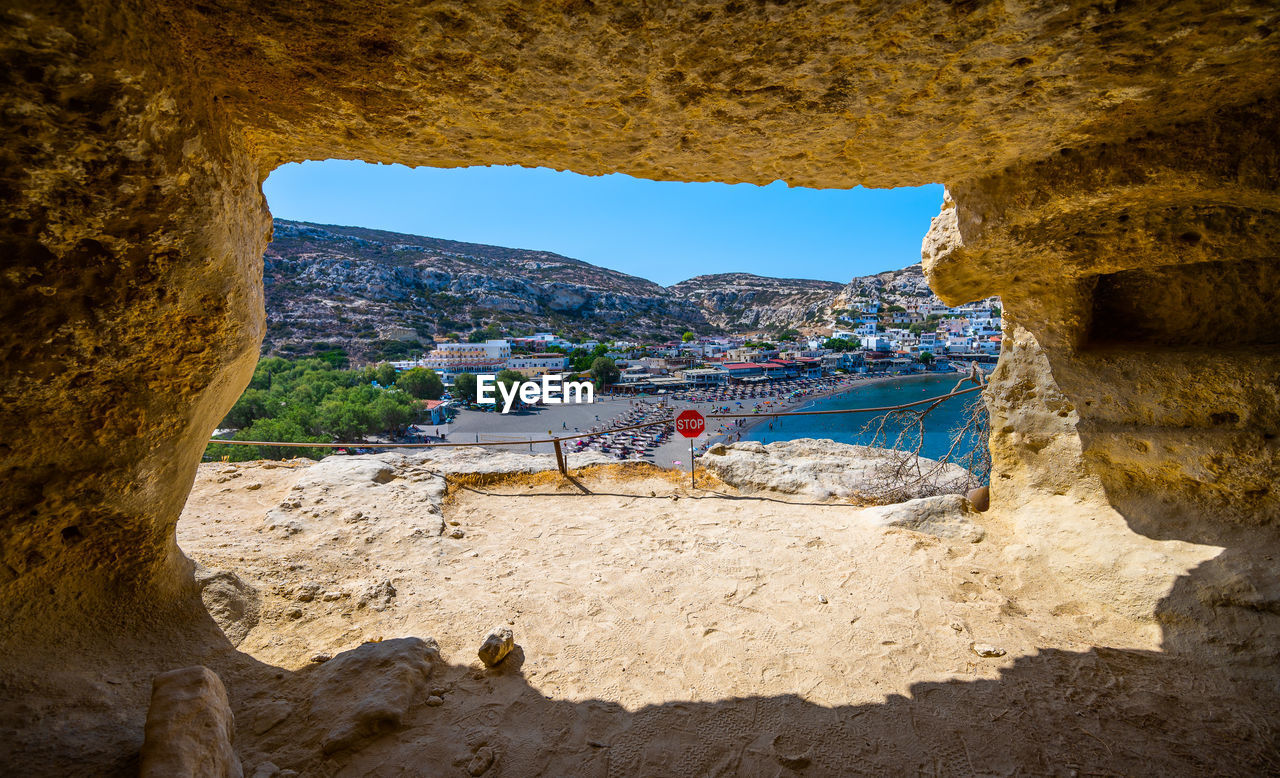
<point>560,457</point>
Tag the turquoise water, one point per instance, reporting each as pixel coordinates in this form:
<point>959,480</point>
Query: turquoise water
<point>939,425</point>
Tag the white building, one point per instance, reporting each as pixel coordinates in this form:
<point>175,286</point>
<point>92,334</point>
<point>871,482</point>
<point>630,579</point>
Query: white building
<point>535,365</point>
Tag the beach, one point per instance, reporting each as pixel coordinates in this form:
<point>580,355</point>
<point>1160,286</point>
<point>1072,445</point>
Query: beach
<point>614,411</point>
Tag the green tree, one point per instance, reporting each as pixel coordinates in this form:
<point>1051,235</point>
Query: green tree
<point>688,337</point>
<point>385,374</point>
<point>421,383</point>
<point>464,387</point>
<point>789,334</point>
<point>926,358</point>
<point>343,420</point>
<point>604,371</point>
<point>580,360</point>
<point>276,430</point>
<point>390,413</point>
<point>842,344</point>
<point>896,309</point>
<point>510,377</point>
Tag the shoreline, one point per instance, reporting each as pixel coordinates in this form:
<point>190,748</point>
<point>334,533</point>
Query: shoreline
<point>835,391</point>
<point>671,453</point>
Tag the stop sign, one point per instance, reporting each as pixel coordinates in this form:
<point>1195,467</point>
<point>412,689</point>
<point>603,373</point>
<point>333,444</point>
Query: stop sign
<point>690,423</point>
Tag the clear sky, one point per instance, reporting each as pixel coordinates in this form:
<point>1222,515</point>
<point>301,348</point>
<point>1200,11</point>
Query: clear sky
<point>661,230</point>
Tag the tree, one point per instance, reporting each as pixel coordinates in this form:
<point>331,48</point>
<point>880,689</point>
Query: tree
<point>421,383</point>
<point>896,309</point>
<point>580,360</point>
<point>276,430</point>
<point>789,334</point>
<point>842,344</point>
<point>390,413</point>
<point>604,371</point>
<point>385,374</point>
<point>464,387</point>
<point>926,358</point>
<point>511,378</point>
<point>688,337</point>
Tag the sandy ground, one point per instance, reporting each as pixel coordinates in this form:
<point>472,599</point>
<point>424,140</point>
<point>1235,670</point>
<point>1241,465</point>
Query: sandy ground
<point>664,631</point>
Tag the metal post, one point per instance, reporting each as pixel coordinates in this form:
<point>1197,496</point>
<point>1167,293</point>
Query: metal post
<point>691,486</point>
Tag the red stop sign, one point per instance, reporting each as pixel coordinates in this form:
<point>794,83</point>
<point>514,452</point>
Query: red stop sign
<point>690,423</point>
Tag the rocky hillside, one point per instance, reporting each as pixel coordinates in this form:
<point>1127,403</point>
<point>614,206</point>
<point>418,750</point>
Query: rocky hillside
<point>368,291</point>
<point>741,301</point>
<point>890,287</point>
<point>347,286</point>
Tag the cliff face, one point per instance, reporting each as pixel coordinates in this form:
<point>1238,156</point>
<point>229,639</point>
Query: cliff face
<point>742,301</point>
<point>345,284</point>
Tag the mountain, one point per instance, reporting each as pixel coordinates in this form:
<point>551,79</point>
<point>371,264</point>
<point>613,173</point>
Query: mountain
<point>892,287</point>
<point>742,301</point>
<point>349,286</point>
<point>370,291</point>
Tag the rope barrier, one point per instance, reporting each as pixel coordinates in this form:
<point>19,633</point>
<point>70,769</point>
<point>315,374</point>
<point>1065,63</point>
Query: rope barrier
<point>593,434</point>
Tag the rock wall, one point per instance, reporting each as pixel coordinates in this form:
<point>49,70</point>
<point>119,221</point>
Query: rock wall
<point>1081,140</point>
<point>1139,281</point>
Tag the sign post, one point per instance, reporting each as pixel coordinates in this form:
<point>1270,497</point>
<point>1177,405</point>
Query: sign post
<point>690,424</point>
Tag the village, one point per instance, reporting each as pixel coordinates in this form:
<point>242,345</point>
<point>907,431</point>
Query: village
<point>879,340</point>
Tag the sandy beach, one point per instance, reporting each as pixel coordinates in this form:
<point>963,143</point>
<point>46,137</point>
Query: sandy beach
<point>566,420</point>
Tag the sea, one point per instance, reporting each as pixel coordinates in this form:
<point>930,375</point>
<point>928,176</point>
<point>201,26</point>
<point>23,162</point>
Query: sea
<point>939,426</point>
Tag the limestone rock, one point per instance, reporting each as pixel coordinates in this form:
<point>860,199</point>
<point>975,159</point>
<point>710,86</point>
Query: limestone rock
<point>233,604</point>
<point>481,762</point>
<point>189,727</point>
<point>946,516</point>
<point>987,650</point>
<point>823,469</point>
<point>497,644</point>
<point>364,692</point>
<point>377,597</point>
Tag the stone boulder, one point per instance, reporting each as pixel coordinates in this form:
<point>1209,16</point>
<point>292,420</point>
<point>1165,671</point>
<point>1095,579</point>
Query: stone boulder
<point>233,604</point>
<point>946,516</point>
<point>497,644</point>
<point>189,727</point>
<point>824,469</point>
<point>365,692</point>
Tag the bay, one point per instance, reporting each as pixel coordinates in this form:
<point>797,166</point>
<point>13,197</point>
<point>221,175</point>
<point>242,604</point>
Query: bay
<point>939,426</point>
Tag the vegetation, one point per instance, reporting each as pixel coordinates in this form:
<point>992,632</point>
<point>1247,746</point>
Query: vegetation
<point>510,378</point>
<point>688,337</point>
<point>789,335</point>
<point>421,383</point>
<point>843,344</point>
<point>582,360</point>
<point>464,387</point>
<point>311,401</point>
<point>604,371</point>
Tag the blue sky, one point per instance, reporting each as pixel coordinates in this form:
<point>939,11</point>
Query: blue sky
<point>661,230</point>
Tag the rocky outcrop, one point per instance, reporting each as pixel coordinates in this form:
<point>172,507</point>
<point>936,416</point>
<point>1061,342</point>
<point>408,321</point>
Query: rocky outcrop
<point>233,604</point>
<point>946,516</point>
<point>742,301</point>
<point>189,727</point>
<point>824,469</point>
<point>1132,276</point>
<point>366,692</point>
